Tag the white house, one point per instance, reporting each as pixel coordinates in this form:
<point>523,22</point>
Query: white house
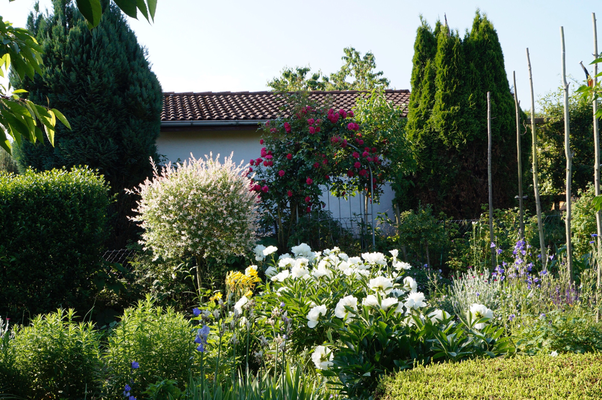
<point>228,123</point>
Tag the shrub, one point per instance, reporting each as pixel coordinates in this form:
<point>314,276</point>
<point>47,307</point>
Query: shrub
<point>160,343</point>
<point>540,377</point>
<point>53,226</point>
<point>12,381</point>
<point>201,208</point>
<point>583,222</point>
<point>59,357</point>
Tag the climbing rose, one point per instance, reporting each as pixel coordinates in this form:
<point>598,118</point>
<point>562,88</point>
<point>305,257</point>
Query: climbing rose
<point>289,156</point>
<point>287,127</point>
<point>281,173</point>
<point>357,164</point>
<point>289,193</point>
<point>312,130</point>
<point>309,181</point>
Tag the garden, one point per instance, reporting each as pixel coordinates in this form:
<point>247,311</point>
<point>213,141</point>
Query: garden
<point>242,285</point>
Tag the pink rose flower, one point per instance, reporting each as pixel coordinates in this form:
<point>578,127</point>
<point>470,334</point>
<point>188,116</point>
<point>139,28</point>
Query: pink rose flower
<point>281,173</point>
<point>356,154</point>
<point>309,181</point>
<point>360,142</point>
<point>307,199</point>
<point>334,140</point>
<point>261,140</point>
<point>357,164</point>
<point>344,144</point>
<point>265,163</point>
<point>258,161</point>
<point>312,130</point>
<point>257,187</point>
<point>324,161</point>
<point>252,162</point>
<point>351,126</point>
<point>342,113</point>
<point>289,156</point>
<point>316,165</point>
<point>317,129</point>
<point>264,189</point>
<point>269,156</point>
<point>374,149</point>
<point>363,172</point>
<point>318,121</point>
<point>308,210</point>
<point>365,154</point>
<point>369,159</point>
<point>272,130</point>
<point>289,193</point>
<point>310,121</point>
<point>350,173</point>
<point>267,123</point>
<point>287,127</point>
<point>327,177</point>
<point>350,113</point>
<point>375,158</point>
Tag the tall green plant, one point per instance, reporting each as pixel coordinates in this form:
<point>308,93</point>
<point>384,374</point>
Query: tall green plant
<point>201,209</point>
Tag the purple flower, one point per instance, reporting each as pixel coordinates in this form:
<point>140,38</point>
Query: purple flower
<point>196,312</point>
<point>135,365</point>
<point>511,317</point>
<point>492,245</point>
<point>499,251</point>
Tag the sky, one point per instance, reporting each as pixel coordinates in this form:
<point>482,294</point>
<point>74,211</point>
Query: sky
<point>239,45</point>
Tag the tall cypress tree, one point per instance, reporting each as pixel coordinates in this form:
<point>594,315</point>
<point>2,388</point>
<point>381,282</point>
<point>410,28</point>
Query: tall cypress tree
<point>101,80</point>
<point>447,123</point>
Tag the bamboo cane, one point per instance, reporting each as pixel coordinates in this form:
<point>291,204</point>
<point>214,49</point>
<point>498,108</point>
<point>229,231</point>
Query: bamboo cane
<point>542,246</point>
<point>489,140</point>
<point>569,156</point>
<point>597,171</point>
<point>519,160</point>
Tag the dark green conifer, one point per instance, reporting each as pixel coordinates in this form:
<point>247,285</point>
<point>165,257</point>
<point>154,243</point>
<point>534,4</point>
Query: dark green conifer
<point>101,80</point>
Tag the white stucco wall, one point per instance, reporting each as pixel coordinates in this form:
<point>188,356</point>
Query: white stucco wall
<point>244,145</point>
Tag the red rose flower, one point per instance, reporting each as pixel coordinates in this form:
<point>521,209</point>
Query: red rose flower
<point>307,199</point>
<point>365,154</point>
<point>281,173</point>
<point>289,156</point>
<point>312,130</point>
<point>264,189</point>
<point>289,193</point>
<point>350,113</point>
<point>252,162</point>
<point>309,181</point>
<point>316,165</point>
<point>287,127</point>
<point>357,164</point>
<point>350,173</point>
<point>363,172</point>
<point>310,121</point>
<point>356,154</point>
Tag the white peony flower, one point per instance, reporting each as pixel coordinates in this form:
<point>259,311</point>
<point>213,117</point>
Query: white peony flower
<point>397,292</point>
<point>250,268</point>
<point>286,262</point>
<point>415,300</point>
<point>285,255</point>
<point>322,357</point>
<point>298,271</point>
<point>321,270</point>
<point>343,256</point>
<point>341,312</point>
<point>280,277</point>
<point>388,302</point>
<point>370,301</point>
<point>409,284</point>
<point>438,316</point>
<point>354,260</point>
<point>554,353</point>
<point>303,250</point>
<point>399,265</point>
<point>314,315</point>
<point>269,250</point>
<point>238,306</point>
<point>479,311</point>
<point>375,258</point>
<point>381,284</point>
<point>258,250</point>
<point>270,272</point>
<point>394,253</point>
<point>344,265</point>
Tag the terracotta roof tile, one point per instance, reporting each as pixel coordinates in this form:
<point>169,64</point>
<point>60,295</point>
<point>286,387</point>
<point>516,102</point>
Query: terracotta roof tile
<point>237,106</point>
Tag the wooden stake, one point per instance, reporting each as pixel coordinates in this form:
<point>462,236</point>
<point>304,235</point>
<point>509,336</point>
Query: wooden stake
<point>569,156</point>
<point>489,140</point>
<point>542,245</point>
<point>597,172</point>
<point>519,160</point>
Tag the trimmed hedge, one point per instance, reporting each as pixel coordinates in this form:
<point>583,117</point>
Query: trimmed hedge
<point>53,226</point>
<point>568,376</point>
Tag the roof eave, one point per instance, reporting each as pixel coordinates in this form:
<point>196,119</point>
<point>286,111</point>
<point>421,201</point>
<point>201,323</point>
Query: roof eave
<point>213,123</point>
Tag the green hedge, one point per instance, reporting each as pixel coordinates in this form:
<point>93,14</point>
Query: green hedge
<point>53,226</point>
<point>568,376</point>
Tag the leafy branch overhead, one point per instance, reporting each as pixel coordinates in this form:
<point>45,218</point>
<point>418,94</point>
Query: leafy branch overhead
<point>20,118</point>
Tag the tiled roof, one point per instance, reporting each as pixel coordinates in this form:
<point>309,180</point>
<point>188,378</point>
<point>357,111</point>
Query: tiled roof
<point>252,106</point>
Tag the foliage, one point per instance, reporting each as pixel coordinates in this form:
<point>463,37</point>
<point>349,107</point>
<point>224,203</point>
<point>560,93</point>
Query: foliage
<point>363,318</point>
<point>357,68</point>
<point>12,381</point>
<point>148,344</point>
<point>201,208</point>
<point>421,236</point>
<point>564,331</point>
<point>550,139</point>
<point>583,222</point>
<point>447,120</point>
<point>7,162</point>
<point>312,148</point>
<point>21,118</point>
<point>102,82</point>
<point>59,357</point>
<point>57,223</point>
<point>540,377</point>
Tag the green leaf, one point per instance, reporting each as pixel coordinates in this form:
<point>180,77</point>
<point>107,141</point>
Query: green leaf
<point>152,7</point>
<point>61,117</point>
<point>91,10</point>
<point>128,7</point>
<point>597,203</point>
<point>142,7</point>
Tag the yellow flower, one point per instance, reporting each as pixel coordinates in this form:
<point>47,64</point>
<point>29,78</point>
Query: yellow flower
<point>249,293</point>
<point>216,296</point>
